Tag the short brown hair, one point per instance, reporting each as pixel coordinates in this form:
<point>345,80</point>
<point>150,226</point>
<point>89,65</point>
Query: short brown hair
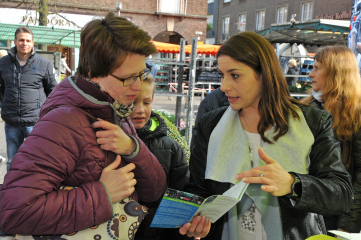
<point>106,42</point>
<point>276,103</point>
<point>24,29</point>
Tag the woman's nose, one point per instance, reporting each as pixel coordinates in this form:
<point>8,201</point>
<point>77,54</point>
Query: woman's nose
<point>137,85</point>
<point>311,74</point>
<point>225,86</point>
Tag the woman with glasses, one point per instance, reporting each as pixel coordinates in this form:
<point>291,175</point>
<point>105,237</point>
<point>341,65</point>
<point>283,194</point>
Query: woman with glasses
<point>85,139</point>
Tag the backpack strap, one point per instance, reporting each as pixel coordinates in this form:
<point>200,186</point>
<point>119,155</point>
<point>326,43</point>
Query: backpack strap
<point>109,156</point>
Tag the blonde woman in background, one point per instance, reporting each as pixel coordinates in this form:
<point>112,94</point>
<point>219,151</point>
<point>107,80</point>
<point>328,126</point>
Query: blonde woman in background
<point>337,89</point>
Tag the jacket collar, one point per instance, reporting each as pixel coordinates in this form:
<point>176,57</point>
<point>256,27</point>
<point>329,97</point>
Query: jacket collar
<point>12,53</point>
<point>145,132</point>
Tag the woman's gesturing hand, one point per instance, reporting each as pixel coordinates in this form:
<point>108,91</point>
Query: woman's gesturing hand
<point>113,138</point>
<point>276,180</point>
<point>199,228</point>
<point>119,182</point>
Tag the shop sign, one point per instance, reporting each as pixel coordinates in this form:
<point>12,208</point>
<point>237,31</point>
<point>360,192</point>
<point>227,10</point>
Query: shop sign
<point>338,16</point>
<point>52,21</point>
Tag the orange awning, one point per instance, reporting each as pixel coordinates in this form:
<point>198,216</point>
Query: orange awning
<point>173,48</point>
<point>204,49</point>
<point>166,47</point>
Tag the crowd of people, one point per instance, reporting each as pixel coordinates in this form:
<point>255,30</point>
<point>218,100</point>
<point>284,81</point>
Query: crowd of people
<point>302,159</point>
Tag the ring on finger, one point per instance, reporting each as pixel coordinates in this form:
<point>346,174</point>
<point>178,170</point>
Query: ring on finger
<point>261,174</point>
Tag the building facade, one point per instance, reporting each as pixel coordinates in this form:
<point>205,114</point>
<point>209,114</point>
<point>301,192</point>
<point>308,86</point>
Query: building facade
<point>164,20</point>
<point>211,21</point>
<point>235,16</point>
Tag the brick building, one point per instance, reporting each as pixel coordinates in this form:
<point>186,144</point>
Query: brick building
<point>164,20</point>
<point>234,16</point>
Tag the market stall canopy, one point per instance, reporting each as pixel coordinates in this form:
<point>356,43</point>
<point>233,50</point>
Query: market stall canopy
<point>44,35</point>
<point>166,47</point>
<point>204,49</point>
<point>313,32</point>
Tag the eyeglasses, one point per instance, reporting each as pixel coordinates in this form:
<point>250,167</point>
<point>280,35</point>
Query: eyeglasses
<point>130,80</point>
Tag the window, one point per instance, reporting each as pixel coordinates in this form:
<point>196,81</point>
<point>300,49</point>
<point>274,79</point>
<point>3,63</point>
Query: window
<point>241,23</point>
<point>281,14</point>
<point>307,9</point>
<point>172,6</point>
<point>226,1</point>
<point>260,20</point>
<point>210,1</point>
<point>210,19</point>
<point>225,30</point>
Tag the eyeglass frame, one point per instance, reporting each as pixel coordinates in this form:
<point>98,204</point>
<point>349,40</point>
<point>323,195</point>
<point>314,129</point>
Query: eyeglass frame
<point>146,73</point>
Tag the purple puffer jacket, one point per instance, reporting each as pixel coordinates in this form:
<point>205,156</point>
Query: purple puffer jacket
<point>62,150</point>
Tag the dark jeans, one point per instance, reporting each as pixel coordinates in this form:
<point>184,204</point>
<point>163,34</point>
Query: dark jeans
<point>14,138</point>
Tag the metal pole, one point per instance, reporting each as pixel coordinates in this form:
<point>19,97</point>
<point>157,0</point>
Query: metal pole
<point>278,50</point>
<point>74,56</point>
<point>192,73</point>
<point>180,82</point>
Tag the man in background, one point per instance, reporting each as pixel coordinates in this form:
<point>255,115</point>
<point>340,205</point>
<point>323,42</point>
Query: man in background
<point>26,79</point>
<point>63,66</point>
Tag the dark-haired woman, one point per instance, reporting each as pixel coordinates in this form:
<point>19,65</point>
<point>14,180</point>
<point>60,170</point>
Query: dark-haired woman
<point>66,148</point>
<point>285,150</point>
<point>337,89</point>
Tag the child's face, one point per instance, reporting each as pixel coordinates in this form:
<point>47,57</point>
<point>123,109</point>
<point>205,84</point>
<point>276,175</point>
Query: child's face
<point>142,106</point>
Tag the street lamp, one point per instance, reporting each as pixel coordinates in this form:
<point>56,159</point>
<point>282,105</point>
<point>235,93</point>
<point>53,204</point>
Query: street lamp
<point>119,6</point>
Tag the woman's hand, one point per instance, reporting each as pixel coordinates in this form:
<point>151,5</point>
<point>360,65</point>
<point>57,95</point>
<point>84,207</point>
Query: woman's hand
<point>113,138</point>
<point>277,180</point>
<point>199,228</point>
<point>119,182</point>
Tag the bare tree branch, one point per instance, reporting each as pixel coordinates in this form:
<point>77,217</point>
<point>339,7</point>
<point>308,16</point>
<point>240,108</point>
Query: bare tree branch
<point>19,4</point>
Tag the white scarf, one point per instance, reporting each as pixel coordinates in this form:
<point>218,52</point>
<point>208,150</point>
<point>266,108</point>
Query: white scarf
<point>317,96</point>
<point>228,154</point>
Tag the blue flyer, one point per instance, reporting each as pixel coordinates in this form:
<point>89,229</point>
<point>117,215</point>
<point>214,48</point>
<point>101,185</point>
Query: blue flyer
<point>178,207</point>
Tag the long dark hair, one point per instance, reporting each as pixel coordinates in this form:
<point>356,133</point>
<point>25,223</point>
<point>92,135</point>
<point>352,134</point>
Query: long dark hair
<point>276,103</point>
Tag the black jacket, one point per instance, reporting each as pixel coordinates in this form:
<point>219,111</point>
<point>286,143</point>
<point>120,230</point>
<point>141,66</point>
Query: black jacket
<point>23,90</point>
<point>326,190</point>
<point>351,221</point>
<point>171,156</point>
<point>291,81</point>
<point>214,100</point>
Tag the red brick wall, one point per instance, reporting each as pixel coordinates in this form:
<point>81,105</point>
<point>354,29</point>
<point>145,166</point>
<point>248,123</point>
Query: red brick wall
<point>142,13</point>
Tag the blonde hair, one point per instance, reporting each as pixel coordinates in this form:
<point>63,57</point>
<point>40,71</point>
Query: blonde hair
<point>150,80</point>
<point>342,90</point>
<point>293,62</point>
<point>3,53</point>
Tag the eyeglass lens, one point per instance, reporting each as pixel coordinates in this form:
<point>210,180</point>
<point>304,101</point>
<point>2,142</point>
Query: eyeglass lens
<point>141,76</point>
